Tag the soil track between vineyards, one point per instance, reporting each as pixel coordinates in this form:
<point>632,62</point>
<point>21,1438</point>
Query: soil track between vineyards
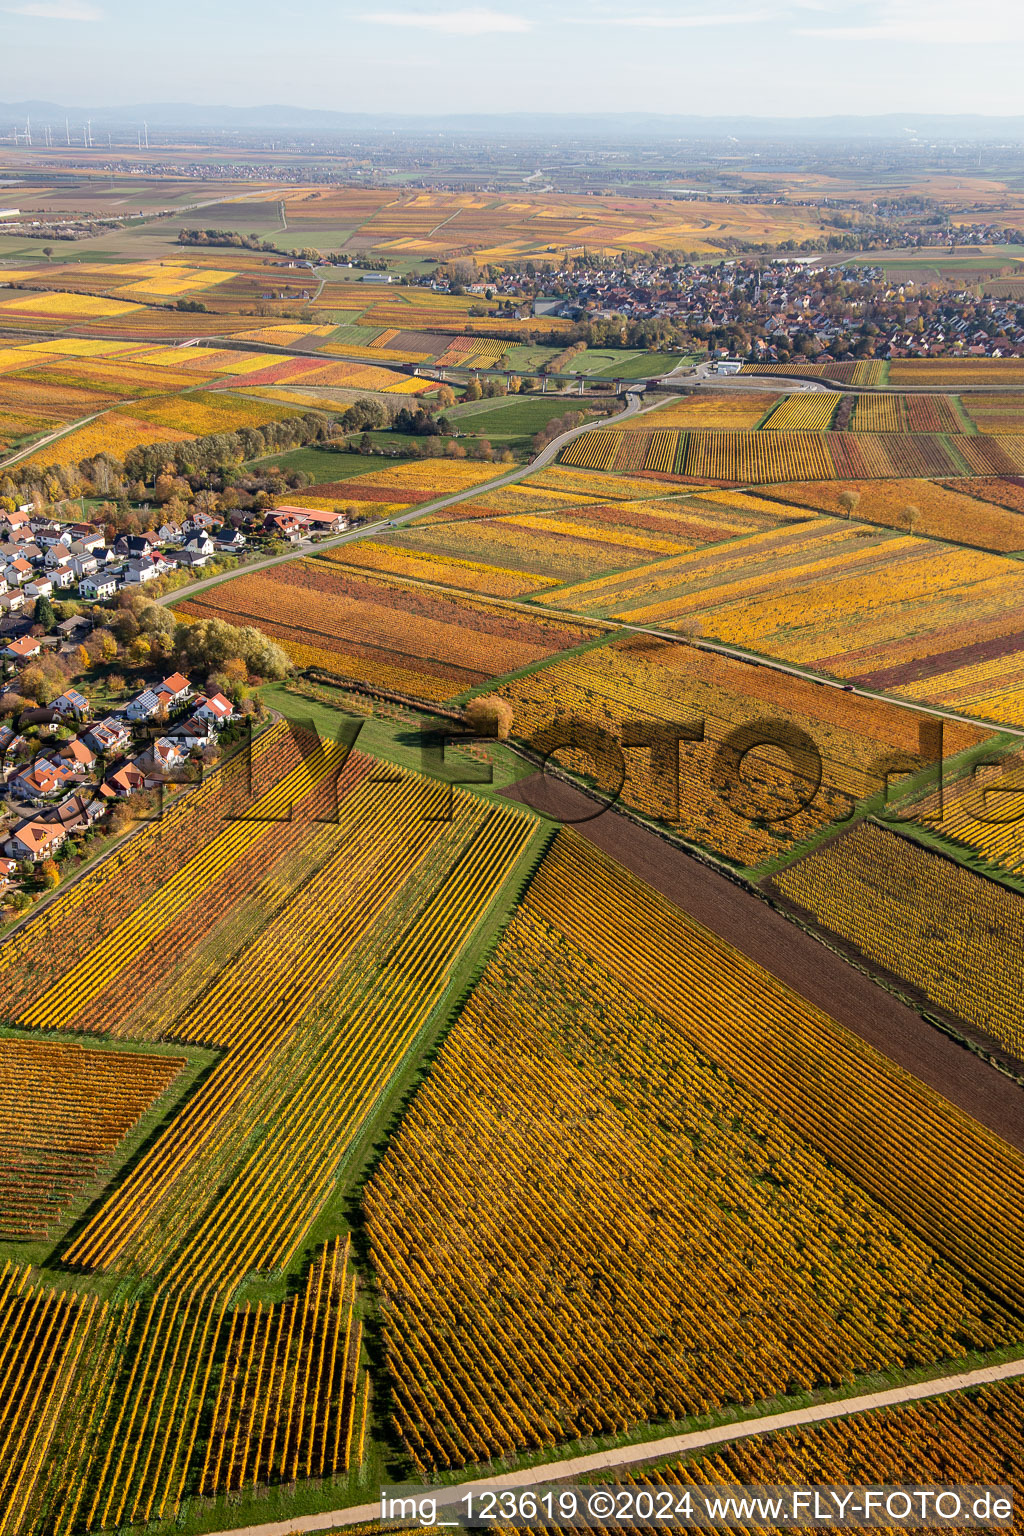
<point>747,922</point>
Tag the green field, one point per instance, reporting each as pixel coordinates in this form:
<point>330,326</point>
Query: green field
<point>320,466</point>
<point>512,417</point>
<point>642,365</point>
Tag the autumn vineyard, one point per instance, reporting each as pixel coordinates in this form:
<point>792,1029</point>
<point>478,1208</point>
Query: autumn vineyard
<point>511,853</point>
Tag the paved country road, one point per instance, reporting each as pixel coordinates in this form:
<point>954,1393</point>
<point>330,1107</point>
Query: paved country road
<point>371,530</point>
<point>545,457</point>
<point>668,1445</point>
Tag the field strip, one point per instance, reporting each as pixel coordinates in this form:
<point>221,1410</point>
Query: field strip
<point>743,918</point>
<point>72,426</point>
<point>545,457</point>
<point>668,1445</point>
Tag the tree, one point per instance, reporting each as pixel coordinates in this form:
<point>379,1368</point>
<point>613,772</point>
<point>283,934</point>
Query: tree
<point>50,873</point>
<point>489,716</point>
<point>849,501</point>
<point>44,614</point>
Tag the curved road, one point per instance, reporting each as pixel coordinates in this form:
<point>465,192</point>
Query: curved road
<point>545,457</point>
<point>370,530</point>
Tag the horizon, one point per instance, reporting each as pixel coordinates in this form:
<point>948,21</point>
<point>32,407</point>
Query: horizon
<point>519,58</point>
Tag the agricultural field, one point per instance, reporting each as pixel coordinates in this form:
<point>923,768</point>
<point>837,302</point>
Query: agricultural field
<point>362,1121</point>
<point>384,630</point>
<point>246,922</point>
<point>979,512</point>
<point>778,453</point>
<point>670,1098</point>
<point>823,752</point>
<point>931,622</point>
<point>953,934</point>
<point>945,1440</point>
<point>555,537</point>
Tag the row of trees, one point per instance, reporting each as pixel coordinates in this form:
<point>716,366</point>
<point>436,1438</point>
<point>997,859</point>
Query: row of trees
<point>104,475</point>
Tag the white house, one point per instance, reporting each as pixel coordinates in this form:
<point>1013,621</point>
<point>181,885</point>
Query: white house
<point>144,706</point>
<point>214,709</point>
<point>34,840</point>
<point>97,587</point>
<point>21,650</point>
<point>109,735</point>
<point>84,565</point>
<point>72,705</point>
<point>41,587</point>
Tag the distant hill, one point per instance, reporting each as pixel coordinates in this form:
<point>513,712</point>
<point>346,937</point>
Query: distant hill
<point>164,116</point>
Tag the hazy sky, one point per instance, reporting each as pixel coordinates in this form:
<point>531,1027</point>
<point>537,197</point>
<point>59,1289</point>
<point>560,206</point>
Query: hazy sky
<point>780,57</point>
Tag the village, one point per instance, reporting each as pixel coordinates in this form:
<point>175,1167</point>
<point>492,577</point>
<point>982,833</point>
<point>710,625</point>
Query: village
<point>768,311</point>
<point>67,763</point>
<point>58,793</point>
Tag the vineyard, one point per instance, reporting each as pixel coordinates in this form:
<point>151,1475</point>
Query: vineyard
<point>259,935</point>
<point>804,413</point>
<point>953,934</point>
<point>668,1159</point>
<point>977,512</point>
<point>379,628</point>
<point>787,449</point>
<point>961,1438</point>
<point>657,687</point>
<point>932,622</point>
<point>64,1110</point>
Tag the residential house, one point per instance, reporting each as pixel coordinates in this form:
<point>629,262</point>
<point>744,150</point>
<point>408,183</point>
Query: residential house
<point>84,565</point>
<point>287,519</point>
<point>109,735</point>
<point>141,571</point>
<point>199,543</point>
<point>75,628</point>
<point>213,709</point>
<point>57,554</point>
<point>133,546</point>
<point>284,525</point>
<point>169,533</point>
<point>177,687</point>
<point>10,602</point>
<point>40,779</point>
<point>8,870</point>
<point>127,780</point>
<point>144,706</point>
<point>77,755</point>
<point>230,540</point>
<point>195,733</point>
<point>98,588</point>
<point>72,705</point>
<point>75,813</point>
<point>62,577</point>
<point>34,840</point>
<point>18,572</point>
<point>191,560</point>
<point>21,650</point>
<point>166,754</point>
<point>41,586</point>
<point>85,537</point>
<point>46,533</point>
